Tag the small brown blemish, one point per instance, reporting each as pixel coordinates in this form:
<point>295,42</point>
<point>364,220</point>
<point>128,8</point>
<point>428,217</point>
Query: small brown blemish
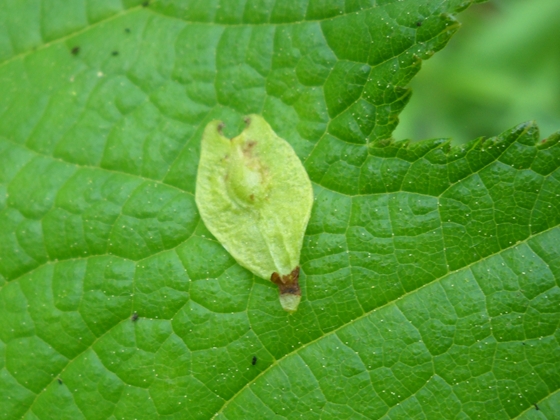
<point>247,121</point>
<point>220,127</point>
<point>289,284</point>
<point>134,317</point>
<point>248,147</point>
<point>75,50</point>
<point>252,197</point>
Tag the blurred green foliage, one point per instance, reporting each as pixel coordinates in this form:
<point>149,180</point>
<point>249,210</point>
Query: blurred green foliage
<point>500,69</point>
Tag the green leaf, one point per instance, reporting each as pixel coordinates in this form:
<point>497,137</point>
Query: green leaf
<point>430,274</point>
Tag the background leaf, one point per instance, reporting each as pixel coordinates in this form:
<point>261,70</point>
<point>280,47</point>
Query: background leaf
<point>429,273</point>
<point>501,68</point>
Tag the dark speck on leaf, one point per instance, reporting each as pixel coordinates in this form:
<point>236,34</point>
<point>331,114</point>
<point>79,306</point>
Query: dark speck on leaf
<point>134,317</point>
<point>419,23</point>
<point>127,30</point>
<point>59,381</point>
<point>115,53</point>
<point>254,361</point>
<point>537,407</point>
<point>75,50</point>
<point>146,3</point>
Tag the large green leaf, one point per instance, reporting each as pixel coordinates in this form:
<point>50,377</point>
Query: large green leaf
<point>430,274</point>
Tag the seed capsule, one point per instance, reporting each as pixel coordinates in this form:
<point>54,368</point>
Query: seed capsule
<point>255,196</point>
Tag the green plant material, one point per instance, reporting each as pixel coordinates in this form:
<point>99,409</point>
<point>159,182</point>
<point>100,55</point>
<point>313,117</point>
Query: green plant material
<point>501,68</point>
<point>255,197</point>
<point>430,274</point>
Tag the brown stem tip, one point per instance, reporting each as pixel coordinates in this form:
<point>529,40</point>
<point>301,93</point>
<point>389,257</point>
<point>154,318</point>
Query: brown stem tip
<point>288,286</point>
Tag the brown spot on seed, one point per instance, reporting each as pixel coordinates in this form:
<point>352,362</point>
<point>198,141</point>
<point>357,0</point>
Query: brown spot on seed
<point>248,148</point>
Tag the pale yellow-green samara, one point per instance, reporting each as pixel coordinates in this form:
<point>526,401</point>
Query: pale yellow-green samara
<point>255,196</point>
